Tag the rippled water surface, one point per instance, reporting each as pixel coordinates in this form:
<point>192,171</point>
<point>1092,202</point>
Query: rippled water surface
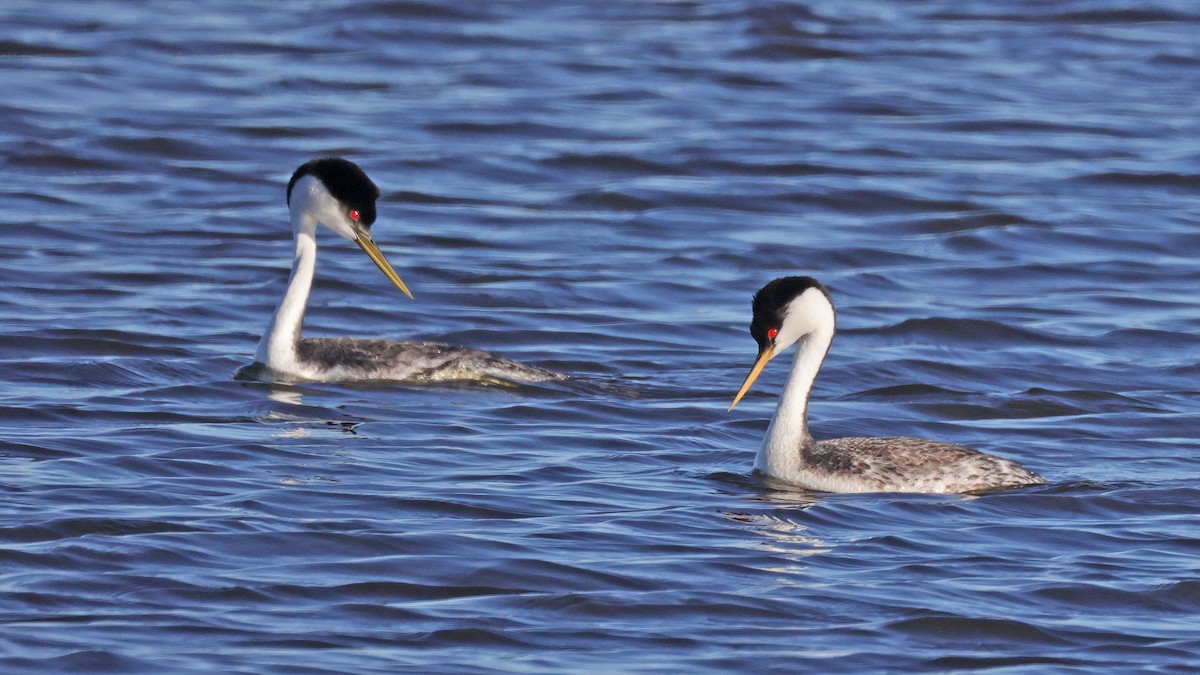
<point>1004,199</point>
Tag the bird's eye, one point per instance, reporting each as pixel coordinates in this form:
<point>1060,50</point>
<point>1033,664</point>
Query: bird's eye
<point>771,333</point>
<point>354,215</point>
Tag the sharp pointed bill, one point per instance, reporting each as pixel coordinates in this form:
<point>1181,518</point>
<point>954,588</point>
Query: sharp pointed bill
<point>367,244</point>
<point>761,363</point>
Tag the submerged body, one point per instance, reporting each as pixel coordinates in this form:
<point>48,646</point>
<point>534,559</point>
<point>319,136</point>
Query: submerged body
<point>797,310</point>
<point>895,464</point>
<point>337,193</point>
<point>357,359</point>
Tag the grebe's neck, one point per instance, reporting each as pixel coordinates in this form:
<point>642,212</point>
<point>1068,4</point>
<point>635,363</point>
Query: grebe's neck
<point>788,435</point>
<point>277,348</point>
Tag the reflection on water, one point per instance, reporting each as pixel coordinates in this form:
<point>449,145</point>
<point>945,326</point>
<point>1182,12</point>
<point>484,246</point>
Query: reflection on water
<point>785,537</point>
<point>287,395</point>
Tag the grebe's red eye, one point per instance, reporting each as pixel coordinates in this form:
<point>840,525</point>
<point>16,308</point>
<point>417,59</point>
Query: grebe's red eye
<point>354,215</point>
<point>771,333</point>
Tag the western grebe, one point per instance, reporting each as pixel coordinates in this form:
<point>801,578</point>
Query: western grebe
<point>337,193</point>
<point>798,310</point>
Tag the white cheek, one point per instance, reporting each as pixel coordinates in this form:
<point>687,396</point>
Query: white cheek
<point>332,217</point>
<point>808,312</point>
<point>788,335</point>
<point>342,227</point>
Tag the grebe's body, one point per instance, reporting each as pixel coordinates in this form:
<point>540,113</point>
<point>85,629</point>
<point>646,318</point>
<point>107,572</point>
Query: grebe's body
<point>798,310</point>
<point>337,193</point>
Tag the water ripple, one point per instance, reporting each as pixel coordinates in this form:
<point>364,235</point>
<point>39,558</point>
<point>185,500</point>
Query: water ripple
<point>1000,198</point>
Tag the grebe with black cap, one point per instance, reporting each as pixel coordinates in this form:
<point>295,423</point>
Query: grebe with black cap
<point>798,310</point>
<point>338,194</point>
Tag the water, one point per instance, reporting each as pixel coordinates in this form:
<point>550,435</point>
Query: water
<point>1002,198</point>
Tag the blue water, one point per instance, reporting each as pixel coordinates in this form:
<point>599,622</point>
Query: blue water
<point>1004,199</point>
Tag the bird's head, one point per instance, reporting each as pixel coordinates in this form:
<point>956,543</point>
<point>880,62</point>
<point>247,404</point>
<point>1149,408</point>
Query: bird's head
<point>784,311</point>
<point>338,194</point>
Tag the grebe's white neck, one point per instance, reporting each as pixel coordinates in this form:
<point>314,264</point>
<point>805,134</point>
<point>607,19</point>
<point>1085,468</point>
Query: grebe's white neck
<point>277,348</point>
<point>809,322</point>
